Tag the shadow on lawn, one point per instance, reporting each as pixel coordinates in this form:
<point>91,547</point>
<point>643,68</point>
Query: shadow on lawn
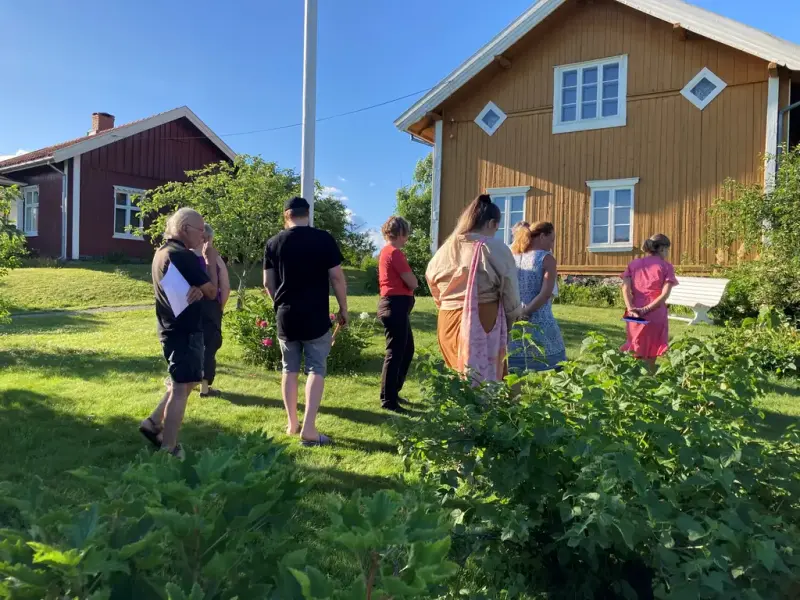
<point>86,364</point>
<point>30,324</point>
<point>47,442</point>
<point>775,424</point>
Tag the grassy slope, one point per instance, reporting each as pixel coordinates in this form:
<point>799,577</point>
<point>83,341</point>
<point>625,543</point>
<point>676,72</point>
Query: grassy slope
<point>76,285</point>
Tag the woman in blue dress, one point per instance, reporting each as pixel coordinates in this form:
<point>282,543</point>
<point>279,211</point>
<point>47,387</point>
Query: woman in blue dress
<point>538,274</point>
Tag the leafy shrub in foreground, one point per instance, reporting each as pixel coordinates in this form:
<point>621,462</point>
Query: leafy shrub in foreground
<point>212,527</point>
<point>255,329</point>
<point>603,481</point>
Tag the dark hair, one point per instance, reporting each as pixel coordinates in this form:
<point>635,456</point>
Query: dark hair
<point>656,244</point>
<point>479,212</point>
<point>296,213</point>
<point>395,227</point>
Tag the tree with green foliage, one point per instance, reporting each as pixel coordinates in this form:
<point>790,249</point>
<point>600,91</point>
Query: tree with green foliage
<point>243,202</point>
<point>12,241</point>
<point>414,204</point>
<point>767,224</point>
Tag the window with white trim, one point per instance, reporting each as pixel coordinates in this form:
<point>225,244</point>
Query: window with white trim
<point>126,213</point>
<point>490,118</point>
<point>611,215</point>
<point>30,210</point>
<point>512,209</point>
<point>703,88</point>
<point>591,95</point>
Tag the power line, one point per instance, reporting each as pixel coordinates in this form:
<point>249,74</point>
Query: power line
<point>320,120</point>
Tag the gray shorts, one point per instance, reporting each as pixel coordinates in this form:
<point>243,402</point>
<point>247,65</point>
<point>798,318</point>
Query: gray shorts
<point>315,353</point>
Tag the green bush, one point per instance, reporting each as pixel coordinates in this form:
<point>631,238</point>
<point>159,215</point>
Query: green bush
<point>255,329</point>
<point>759,283</point>
<point>596,296</point>
<point>370,267</point>
<point>771,341</point>
<point>212,528</point>
<point>604,481</point>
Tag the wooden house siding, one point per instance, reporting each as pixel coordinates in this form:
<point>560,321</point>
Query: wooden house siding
<point>144,161</point>
<point>47,241</point>
<point>681,154</point>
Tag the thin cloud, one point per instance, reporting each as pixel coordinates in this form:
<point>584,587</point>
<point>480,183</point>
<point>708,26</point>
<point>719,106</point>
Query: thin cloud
<point>19,152</point>
<point>376,237</point>
<point>342,179</point>
<point>334,192</point>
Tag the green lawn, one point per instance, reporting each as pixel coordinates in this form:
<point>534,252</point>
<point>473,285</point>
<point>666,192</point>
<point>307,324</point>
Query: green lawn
<point>73,388</point>
<point>76,285</point>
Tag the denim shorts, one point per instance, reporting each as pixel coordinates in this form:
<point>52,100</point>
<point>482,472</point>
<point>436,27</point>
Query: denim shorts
<point>315,353</point>
<point>184,355</point>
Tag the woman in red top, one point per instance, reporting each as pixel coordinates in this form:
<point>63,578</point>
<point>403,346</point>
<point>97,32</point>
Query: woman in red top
<point>397,284</point>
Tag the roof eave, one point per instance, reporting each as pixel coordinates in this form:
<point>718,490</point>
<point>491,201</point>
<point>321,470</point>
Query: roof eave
<point>27,165</point>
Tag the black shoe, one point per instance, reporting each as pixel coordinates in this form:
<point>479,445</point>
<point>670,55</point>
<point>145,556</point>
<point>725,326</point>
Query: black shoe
<point>396,408</point>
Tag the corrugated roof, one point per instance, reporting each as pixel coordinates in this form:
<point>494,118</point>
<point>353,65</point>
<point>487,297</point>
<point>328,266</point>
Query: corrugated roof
<point>88,142</point>
<point>692,18</point>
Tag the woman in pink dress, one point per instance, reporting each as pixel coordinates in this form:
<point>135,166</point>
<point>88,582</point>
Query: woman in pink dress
<point>646,285</point>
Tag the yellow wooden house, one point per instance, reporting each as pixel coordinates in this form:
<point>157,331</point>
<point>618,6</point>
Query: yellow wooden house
<point>615,120</point>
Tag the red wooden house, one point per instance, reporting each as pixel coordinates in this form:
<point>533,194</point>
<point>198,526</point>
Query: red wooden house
<point>77,196</point>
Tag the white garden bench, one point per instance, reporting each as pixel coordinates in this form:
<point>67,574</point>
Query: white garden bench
<point>701,294</point>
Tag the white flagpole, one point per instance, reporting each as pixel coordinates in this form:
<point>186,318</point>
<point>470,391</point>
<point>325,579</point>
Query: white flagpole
<point>309,104</point>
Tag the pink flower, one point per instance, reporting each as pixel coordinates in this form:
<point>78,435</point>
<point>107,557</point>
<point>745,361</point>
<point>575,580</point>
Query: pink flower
<point>266,342</point>
<point>261,323</point>
<point>333,317</point>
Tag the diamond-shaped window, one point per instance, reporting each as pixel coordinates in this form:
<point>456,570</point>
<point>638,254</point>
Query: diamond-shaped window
<point>703,88</point>
<point>490,118</point>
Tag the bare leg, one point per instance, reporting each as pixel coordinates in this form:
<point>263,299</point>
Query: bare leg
<point>651,365</point>
<point>157,416</point>
<point>204,386</point>
<point>314,388</point>
<point>289,387</point>
<point>173,413</point>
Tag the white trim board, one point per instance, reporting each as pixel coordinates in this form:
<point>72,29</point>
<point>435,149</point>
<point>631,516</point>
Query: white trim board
<point>125,131</point>
<point>771,146</point>
<point>436,192</point>
<point>692,18</point>
<point>509,191</point>
<point>76,207</point>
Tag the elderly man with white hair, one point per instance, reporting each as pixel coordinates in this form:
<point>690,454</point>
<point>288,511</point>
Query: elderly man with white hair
<point>182,335</point>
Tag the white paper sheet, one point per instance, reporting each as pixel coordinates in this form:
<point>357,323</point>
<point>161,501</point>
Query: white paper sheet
<point>176,289</point>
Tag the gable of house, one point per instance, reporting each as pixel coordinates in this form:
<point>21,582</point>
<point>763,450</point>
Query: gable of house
<point>78,197</point>
<point>662,153</point>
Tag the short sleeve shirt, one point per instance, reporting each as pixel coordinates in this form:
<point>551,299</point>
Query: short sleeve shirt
<point>392,264</point>
<point>188,265</point>
<point>301,258</point>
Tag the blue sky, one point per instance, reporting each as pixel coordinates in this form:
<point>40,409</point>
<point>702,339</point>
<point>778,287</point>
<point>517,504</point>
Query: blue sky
<point>240,69</point>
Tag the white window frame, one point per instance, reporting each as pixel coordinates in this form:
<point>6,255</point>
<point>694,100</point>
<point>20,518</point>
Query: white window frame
<point>705,73</point>
<point>30,232</point>
<point>129,191</point>
<point>612,185</point>
<point>506,194</point>
<point>491,106</point>
<point>599,122</point>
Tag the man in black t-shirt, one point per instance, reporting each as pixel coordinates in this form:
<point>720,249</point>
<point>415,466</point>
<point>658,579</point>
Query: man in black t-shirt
<point>300,265</point>
<point>182,335</point>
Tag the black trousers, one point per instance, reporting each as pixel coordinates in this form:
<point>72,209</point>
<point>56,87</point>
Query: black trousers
<point>395,314</point>
<point>212,338</point>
